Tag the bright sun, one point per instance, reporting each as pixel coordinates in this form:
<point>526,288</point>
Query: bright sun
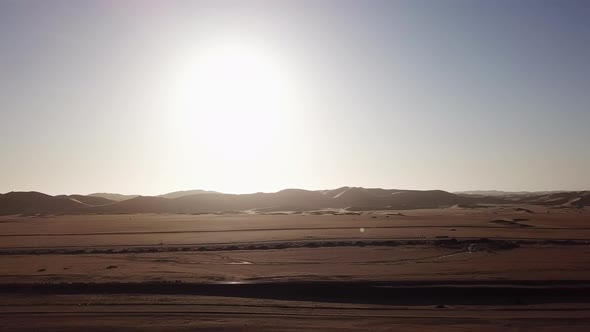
<point>237,100</point>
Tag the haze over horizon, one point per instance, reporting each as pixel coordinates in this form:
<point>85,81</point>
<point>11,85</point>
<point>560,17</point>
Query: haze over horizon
<point>486,192</point>
<point>150,97</point>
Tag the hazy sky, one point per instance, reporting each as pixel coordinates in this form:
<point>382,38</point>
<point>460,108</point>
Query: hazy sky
<point>243,96</point>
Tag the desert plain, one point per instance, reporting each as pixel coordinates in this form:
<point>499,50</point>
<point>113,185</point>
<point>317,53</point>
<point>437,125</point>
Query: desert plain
<point>497,267</point>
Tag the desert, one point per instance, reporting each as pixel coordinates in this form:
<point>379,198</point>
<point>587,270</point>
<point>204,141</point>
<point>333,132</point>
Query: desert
<point>294,165</point>
<point>511,261</point>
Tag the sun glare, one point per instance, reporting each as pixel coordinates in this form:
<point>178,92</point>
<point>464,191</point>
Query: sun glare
<point>237,100</point>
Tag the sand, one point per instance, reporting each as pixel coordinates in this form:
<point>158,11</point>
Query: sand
<point>412,246</point>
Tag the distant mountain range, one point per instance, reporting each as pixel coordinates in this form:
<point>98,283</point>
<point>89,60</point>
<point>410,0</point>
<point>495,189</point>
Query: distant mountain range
<point>118,197</point>
<point>113,197</point>
<point>182,193</point>
<point>505,193</point>
<point>350,198</point>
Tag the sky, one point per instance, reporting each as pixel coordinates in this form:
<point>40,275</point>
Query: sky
<point>149,97</point>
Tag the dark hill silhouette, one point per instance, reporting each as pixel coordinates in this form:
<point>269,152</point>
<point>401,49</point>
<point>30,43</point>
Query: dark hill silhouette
<point>350,198</point>
<point>139,204</point>
<point>414,199</point>
<point>500,193</point>
<point>558,198</point>
<point>182,193</point>
<point>584,199</point>
<point>17,202</point>
<point>113,197</point>
<point>88,200</point>
<point>290,199</point>
<point>333,192</point>
<point>356,196</point>
<point>490,193</point>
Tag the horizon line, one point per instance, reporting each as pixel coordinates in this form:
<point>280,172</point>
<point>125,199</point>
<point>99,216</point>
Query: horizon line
<point>293,188</point>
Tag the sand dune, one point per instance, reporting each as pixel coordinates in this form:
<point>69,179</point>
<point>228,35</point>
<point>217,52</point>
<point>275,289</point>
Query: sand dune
<point>113,196</point>
<point>88,200</point>
<point>349,198</point>
<point>35,202</point>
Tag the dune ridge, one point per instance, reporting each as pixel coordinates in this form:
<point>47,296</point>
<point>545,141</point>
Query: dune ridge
<point>349,198</point>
